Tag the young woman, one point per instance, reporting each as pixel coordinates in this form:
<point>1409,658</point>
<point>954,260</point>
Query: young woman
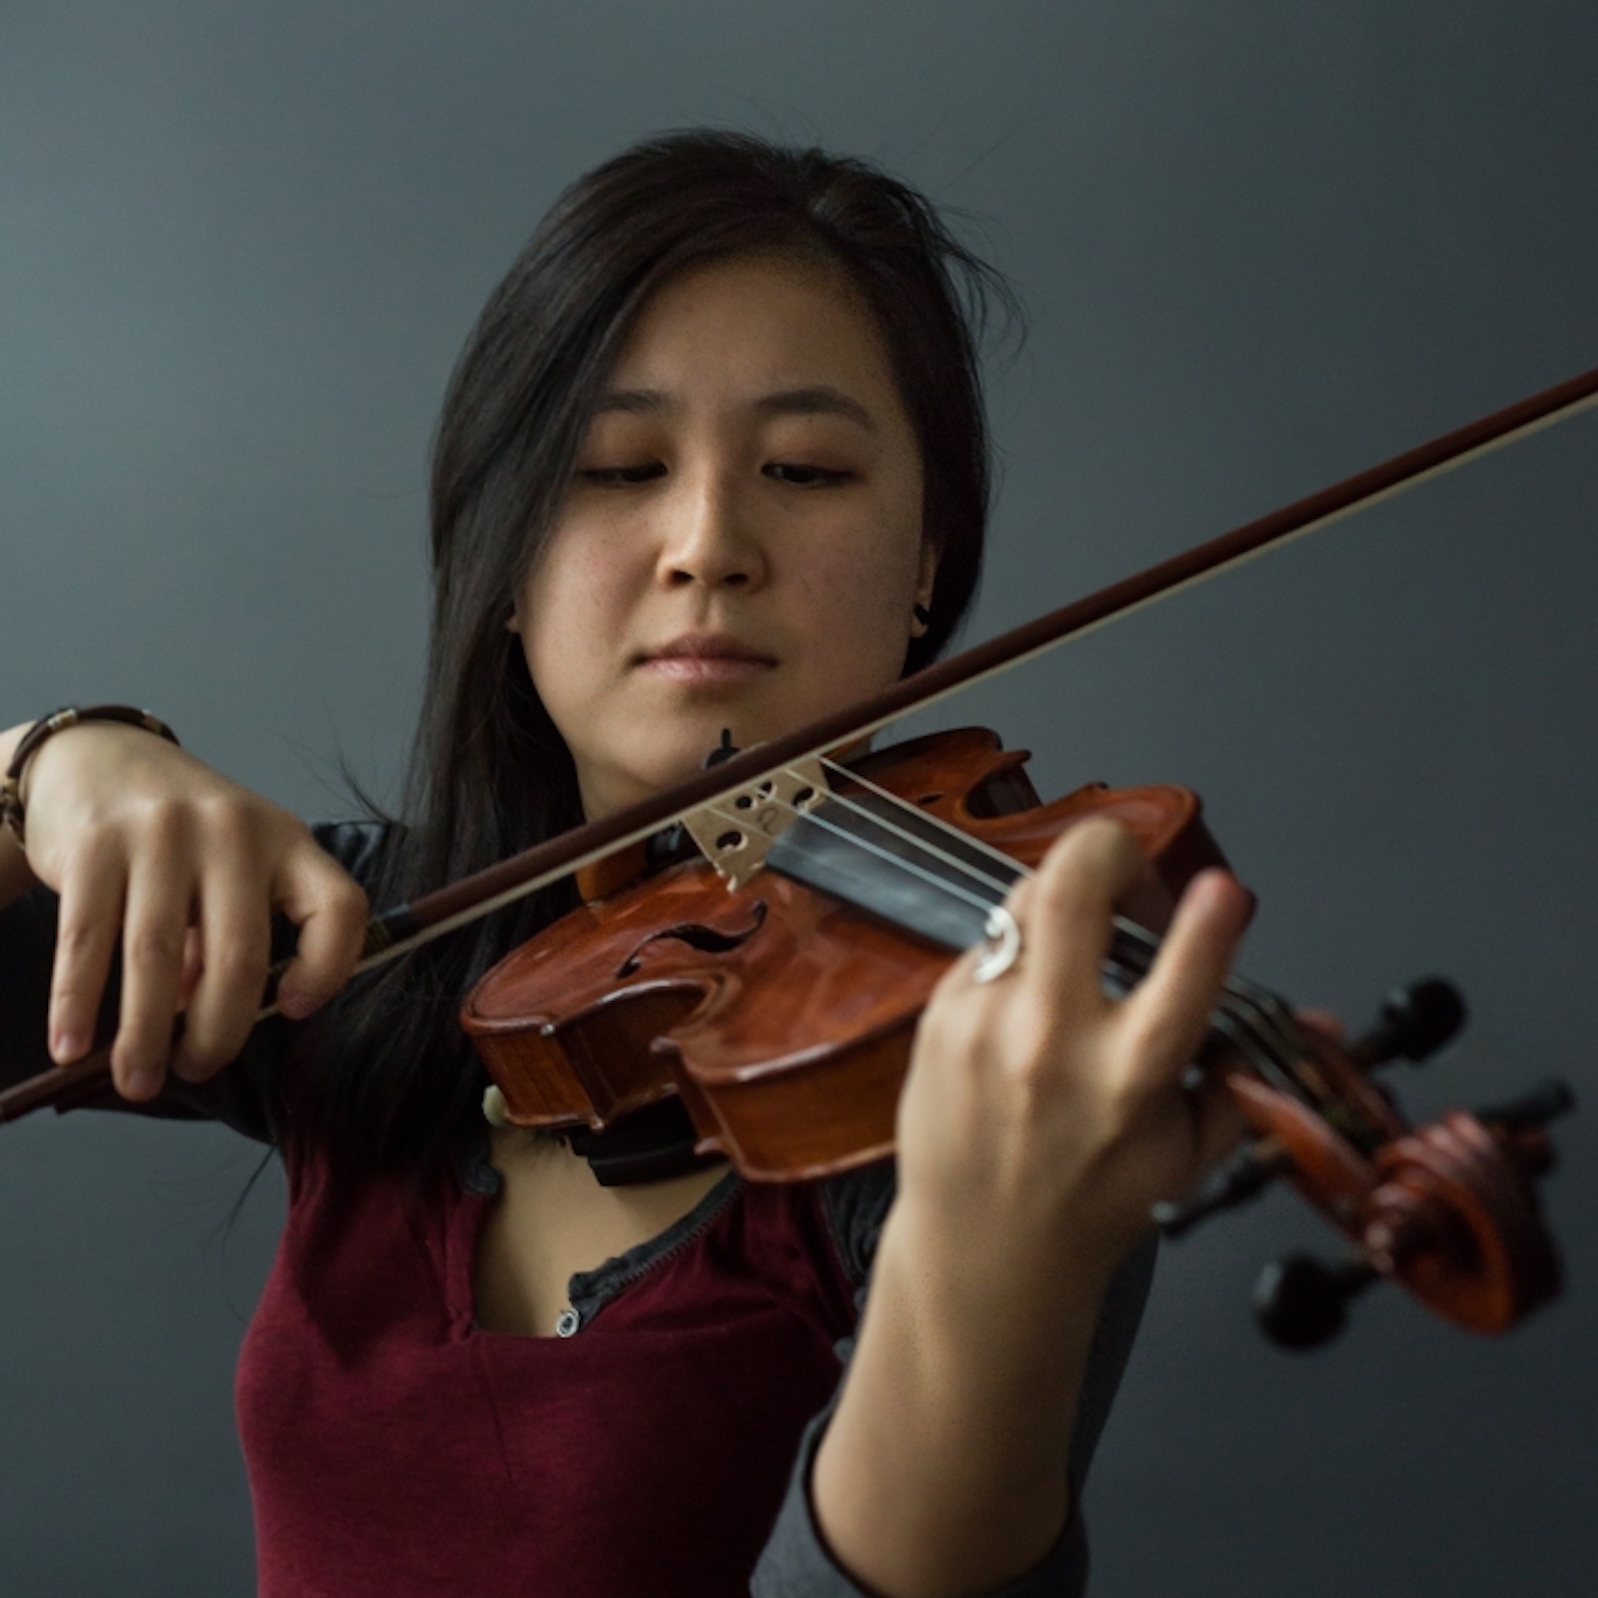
<point>713,458</point>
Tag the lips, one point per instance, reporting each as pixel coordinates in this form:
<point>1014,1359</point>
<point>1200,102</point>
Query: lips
<point>706,657</point>
<point>708,646</point>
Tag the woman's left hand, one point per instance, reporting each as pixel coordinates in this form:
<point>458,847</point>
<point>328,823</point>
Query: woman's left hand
<point>1039,1122</point>
<point>1041,1117</point>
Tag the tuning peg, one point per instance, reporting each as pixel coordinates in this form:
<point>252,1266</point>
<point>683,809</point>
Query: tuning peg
<point>1301,1302</point>
<point>1414,1022</point>
<point>1248,1172</point>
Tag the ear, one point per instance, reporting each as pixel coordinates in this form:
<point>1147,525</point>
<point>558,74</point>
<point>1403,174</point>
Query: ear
<point>513,622</point>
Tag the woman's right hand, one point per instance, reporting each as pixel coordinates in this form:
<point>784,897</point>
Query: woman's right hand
<point>145,842</point>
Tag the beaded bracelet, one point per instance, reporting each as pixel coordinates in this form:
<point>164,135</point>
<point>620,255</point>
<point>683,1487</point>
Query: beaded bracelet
<point>11,784</point>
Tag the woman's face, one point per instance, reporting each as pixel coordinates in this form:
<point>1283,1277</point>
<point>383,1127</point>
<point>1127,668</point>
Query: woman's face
<point>741,545</point>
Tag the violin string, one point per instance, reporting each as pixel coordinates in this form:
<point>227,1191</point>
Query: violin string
<point>1253,1020</point>
<point>1133,947</point>
<point>923,872</point>
<point>1136,946</point>
<point>970,840</point>
<point>998,886</point>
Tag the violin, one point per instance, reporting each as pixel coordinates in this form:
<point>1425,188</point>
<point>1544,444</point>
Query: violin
<point>771,979</point>
<point>642,1008</point>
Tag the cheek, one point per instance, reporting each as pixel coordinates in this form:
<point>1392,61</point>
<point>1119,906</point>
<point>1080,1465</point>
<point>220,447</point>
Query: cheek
<point>564,612</point>
<point>859,602</point>
<point>861,589</point>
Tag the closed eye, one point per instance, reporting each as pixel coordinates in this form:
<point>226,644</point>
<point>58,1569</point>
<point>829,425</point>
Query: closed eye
<point>803,475</point>
<point>622,476</point>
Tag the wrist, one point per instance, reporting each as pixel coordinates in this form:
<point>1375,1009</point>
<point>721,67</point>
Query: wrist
<point>1004,1285</point>
<point>944,1466</point>
<point>1007,1242</point>
<point>21,753</point>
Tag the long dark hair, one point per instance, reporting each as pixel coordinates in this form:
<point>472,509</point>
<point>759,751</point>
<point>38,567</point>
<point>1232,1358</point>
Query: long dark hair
<point>389,1080</point>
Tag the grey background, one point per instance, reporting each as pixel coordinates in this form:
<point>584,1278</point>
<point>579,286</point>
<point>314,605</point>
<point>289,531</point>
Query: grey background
<point>1261,245</point>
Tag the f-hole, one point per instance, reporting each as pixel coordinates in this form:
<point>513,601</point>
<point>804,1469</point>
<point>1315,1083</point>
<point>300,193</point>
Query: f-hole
<point>697,936</point>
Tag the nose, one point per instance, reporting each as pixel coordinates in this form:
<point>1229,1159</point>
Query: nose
<point>709,536</point>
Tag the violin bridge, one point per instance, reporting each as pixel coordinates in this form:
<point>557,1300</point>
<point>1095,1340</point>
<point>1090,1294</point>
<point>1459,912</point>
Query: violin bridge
<point>735,832</point>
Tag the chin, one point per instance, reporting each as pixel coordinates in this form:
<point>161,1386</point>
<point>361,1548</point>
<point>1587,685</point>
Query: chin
<point>667,767</point>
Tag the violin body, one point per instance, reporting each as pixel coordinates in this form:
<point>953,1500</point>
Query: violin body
<point>781,1018</point>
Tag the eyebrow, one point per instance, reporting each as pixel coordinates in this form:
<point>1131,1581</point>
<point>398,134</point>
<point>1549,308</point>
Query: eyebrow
<point>823,400</point>
<point>633,401</point>
<point>819,400</point>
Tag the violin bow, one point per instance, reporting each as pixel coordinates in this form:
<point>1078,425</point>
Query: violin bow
<point>405,927</point>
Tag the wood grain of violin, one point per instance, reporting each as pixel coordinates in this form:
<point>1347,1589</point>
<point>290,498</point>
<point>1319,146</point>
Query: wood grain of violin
<point>780,1010</point>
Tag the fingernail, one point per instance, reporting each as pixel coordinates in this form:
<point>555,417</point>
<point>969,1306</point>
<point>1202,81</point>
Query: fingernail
<point>144,1081</point>
<point>67,1045</point>
<point>291,1001</point>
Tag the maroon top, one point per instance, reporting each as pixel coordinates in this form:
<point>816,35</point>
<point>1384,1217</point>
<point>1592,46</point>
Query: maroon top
<point>394,1448</point>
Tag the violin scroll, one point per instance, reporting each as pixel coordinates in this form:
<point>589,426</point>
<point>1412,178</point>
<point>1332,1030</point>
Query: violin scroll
<point>1447,1210</point>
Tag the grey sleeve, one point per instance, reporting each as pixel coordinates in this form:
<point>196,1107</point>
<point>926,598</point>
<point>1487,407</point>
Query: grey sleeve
<point>245,1096</point>
<point>797,1564</point>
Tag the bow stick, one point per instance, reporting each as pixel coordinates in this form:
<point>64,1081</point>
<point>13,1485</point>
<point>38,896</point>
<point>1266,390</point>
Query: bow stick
<point>405,927</point>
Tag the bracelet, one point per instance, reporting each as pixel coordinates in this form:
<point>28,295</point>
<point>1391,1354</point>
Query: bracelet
<point>11,784</point>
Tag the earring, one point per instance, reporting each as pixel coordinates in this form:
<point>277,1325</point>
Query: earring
<point>922,619</point>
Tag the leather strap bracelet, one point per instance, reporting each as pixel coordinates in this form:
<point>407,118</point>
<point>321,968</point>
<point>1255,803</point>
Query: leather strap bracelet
<point>70,716</point>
